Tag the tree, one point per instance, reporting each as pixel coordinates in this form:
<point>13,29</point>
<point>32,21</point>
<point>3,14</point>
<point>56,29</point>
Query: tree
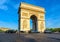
<point>1,31</point>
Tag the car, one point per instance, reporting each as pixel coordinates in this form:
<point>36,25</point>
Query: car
<point>47,31</point>
<point>34,32</point>
<point>10,31</point>
<point>57,32</point>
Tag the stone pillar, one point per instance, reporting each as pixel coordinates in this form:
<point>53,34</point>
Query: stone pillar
<point>25,25</point>
<point>39,29</point>
<point>41,26</point>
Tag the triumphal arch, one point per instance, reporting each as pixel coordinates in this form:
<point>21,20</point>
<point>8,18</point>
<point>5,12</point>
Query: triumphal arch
<point>37,14</point>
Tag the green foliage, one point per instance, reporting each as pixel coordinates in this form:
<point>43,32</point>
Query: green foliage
<point>1,31</point>
<point>53,29</point>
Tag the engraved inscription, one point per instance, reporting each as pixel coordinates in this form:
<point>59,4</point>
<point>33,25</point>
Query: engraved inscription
<point>25,14</point>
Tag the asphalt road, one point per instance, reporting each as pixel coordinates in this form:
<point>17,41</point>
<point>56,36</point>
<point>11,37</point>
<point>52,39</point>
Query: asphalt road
<point>33,37</point>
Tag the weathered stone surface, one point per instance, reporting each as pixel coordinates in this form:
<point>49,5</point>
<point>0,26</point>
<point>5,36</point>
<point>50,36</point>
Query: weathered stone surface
<point>26,12</point>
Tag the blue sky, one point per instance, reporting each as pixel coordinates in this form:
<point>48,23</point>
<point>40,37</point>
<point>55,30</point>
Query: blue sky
<point>9,12</point>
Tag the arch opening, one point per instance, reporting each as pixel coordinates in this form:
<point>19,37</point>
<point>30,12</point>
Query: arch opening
<point>33,24</point>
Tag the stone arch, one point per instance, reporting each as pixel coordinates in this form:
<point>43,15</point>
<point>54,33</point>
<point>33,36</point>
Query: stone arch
<point>34,23</point>
<point>28,11</point>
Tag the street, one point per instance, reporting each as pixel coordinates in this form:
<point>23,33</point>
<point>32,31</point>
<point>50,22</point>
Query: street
<point>33,37</point>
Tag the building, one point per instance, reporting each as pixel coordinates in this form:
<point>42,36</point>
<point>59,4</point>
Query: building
<point>27,12</point>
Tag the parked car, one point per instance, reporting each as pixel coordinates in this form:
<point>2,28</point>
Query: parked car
<point>34,32</point>
<point>47,31</point>
<point>10,31</point>
<point>56,32</point>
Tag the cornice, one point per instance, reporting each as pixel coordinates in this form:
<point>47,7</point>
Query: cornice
<point>31,7</point>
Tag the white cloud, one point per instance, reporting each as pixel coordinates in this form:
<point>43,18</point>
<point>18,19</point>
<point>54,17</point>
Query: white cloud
<point>2,4</point>
<point>3,7</point>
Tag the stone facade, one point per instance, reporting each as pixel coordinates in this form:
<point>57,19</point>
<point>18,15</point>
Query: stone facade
<point>26,11</point>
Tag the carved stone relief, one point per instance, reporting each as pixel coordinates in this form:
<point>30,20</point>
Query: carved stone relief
<point>24,24</point>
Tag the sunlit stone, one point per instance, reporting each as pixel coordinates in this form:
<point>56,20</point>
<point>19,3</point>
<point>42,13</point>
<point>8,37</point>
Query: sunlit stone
<point>37,14</point>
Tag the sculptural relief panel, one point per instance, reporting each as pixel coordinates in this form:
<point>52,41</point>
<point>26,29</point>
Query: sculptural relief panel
<point>25,14</point>
<point>25,24</point>
<point>40,16</point>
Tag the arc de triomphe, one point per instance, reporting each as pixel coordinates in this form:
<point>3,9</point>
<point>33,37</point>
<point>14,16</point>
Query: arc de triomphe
<point>27,12</point>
